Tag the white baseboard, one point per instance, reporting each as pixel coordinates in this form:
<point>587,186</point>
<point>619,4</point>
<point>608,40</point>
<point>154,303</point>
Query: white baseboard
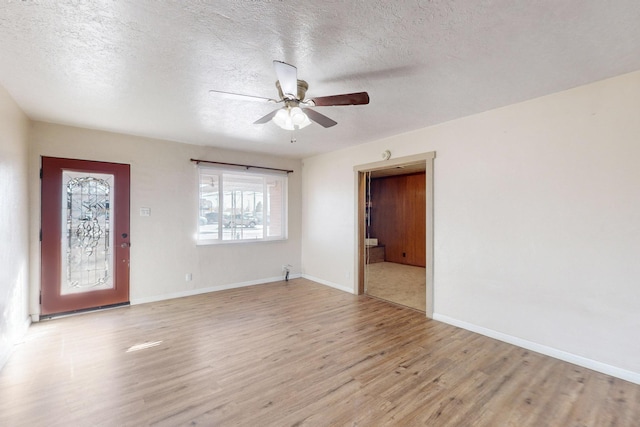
<point>198,291</point>
<point>604,368</point>
<point>330,284</point>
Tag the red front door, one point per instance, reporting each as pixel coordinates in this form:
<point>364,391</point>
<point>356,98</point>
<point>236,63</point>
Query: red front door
<point>85,235</point>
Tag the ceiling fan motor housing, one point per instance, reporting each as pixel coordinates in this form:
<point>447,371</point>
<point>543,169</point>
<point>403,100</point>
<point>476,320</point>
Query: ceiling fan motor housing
<point>302,90</point>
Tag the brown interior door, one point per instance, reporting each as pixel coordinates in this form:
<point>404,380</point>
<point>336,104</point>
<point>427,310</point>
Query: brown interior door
<point>85,235</point>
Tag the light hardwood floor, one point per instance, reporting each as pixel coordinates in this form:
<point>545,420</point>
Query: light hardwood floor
<point>289,354</point>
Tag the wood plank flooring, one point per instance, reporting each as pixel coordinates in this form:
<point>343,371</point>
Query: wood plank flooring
<point>291,354</point>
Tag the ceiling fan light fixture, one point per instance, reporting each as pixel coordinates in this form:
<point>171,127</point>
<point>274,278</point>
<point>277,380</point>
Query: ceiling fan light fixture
<point>282,119</point>
<point>291,118</point>
<point>297,116</point>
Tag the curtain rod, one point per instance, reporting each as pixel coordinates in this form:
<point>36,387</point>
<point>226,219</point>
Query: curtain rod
<point>198,161</point>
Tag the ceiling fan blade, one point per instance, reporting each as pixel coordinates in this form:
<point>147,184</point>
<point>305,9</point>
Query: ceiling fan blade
<point>266,118</point>
<point>358,98</point>
<point>240,96</point>
<point>321,119</point>
<point>288,78</point>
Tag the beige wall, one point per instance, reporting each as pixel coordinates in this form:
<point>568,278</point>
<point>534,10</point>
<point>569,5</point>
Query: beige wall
<point>537,222</point>
<point>163,248</point>
<point>14,213</point>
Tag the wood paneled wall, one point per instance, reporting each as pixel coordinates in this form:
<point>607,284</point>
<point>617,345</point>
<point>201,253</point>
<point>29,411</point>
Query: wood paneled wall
<point>398,217</point>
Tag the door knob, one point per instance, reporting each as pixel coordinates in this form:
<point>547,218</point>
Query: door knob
<point>125,245</point>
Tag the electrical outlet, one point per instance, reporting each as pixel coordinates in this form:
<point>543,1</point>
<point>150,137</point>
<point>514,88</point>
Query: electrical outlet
<point>188,277</point>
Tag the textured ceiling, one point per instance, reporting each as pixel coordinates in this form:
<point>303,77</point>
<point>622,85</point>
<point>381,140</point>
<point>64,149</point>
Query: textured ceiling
<point>145,67</point>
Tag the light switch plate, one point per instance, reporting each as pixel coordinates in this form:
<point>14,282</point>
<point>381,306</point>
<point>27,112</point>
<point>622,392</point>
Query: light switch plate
<point>145,211</point>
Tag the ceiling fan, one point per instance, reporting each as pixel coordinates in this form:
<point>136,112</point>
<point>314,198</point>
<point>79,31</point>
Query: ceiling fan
<point>295,113</point>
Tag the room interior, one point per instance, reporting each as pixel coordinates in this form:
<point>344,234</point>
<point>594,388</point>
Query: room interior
<point>396,241</point>
<point>529,112</point>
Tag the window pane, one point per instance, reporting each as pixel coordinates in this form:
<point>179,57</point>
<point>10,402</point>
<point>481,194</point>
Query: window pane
<point>208,216</point>
<point>275,210</point>
<point>242,193</point>
<point>241,206</point>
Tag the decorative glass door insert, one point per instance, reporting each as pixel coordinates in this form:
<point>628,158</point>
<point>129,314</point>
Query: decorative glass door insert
<point>87,237</point>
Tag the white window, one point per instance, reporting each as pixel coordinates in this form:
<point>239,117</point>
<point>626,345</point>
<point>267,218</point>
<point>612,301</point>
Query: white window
<point>238,205</point>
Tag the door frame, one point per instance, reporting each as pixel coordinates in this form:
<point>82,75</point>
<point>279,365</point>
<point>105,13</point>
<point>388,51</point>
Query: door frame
<point>425,159</point>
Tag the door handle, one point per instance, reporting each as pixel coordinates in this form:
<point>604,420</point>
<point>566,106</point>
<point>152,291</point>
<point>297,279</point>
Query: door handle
<point>125,245</point>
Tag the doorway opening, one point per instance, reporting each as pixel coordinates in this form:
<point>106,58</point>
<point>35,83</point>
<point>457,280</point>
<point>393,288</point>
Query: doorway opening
<point>395,231</point>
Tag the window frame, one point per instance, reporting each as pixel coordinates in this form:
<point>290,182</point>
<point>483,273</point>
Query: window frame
<point>228,182</point>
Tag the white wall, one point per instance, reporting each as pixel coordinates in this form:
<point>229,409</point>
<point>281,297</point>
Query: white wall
<point>537,222</point>
<point>14,213</point>
<point>329,219</point>
<point>163,179</point>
